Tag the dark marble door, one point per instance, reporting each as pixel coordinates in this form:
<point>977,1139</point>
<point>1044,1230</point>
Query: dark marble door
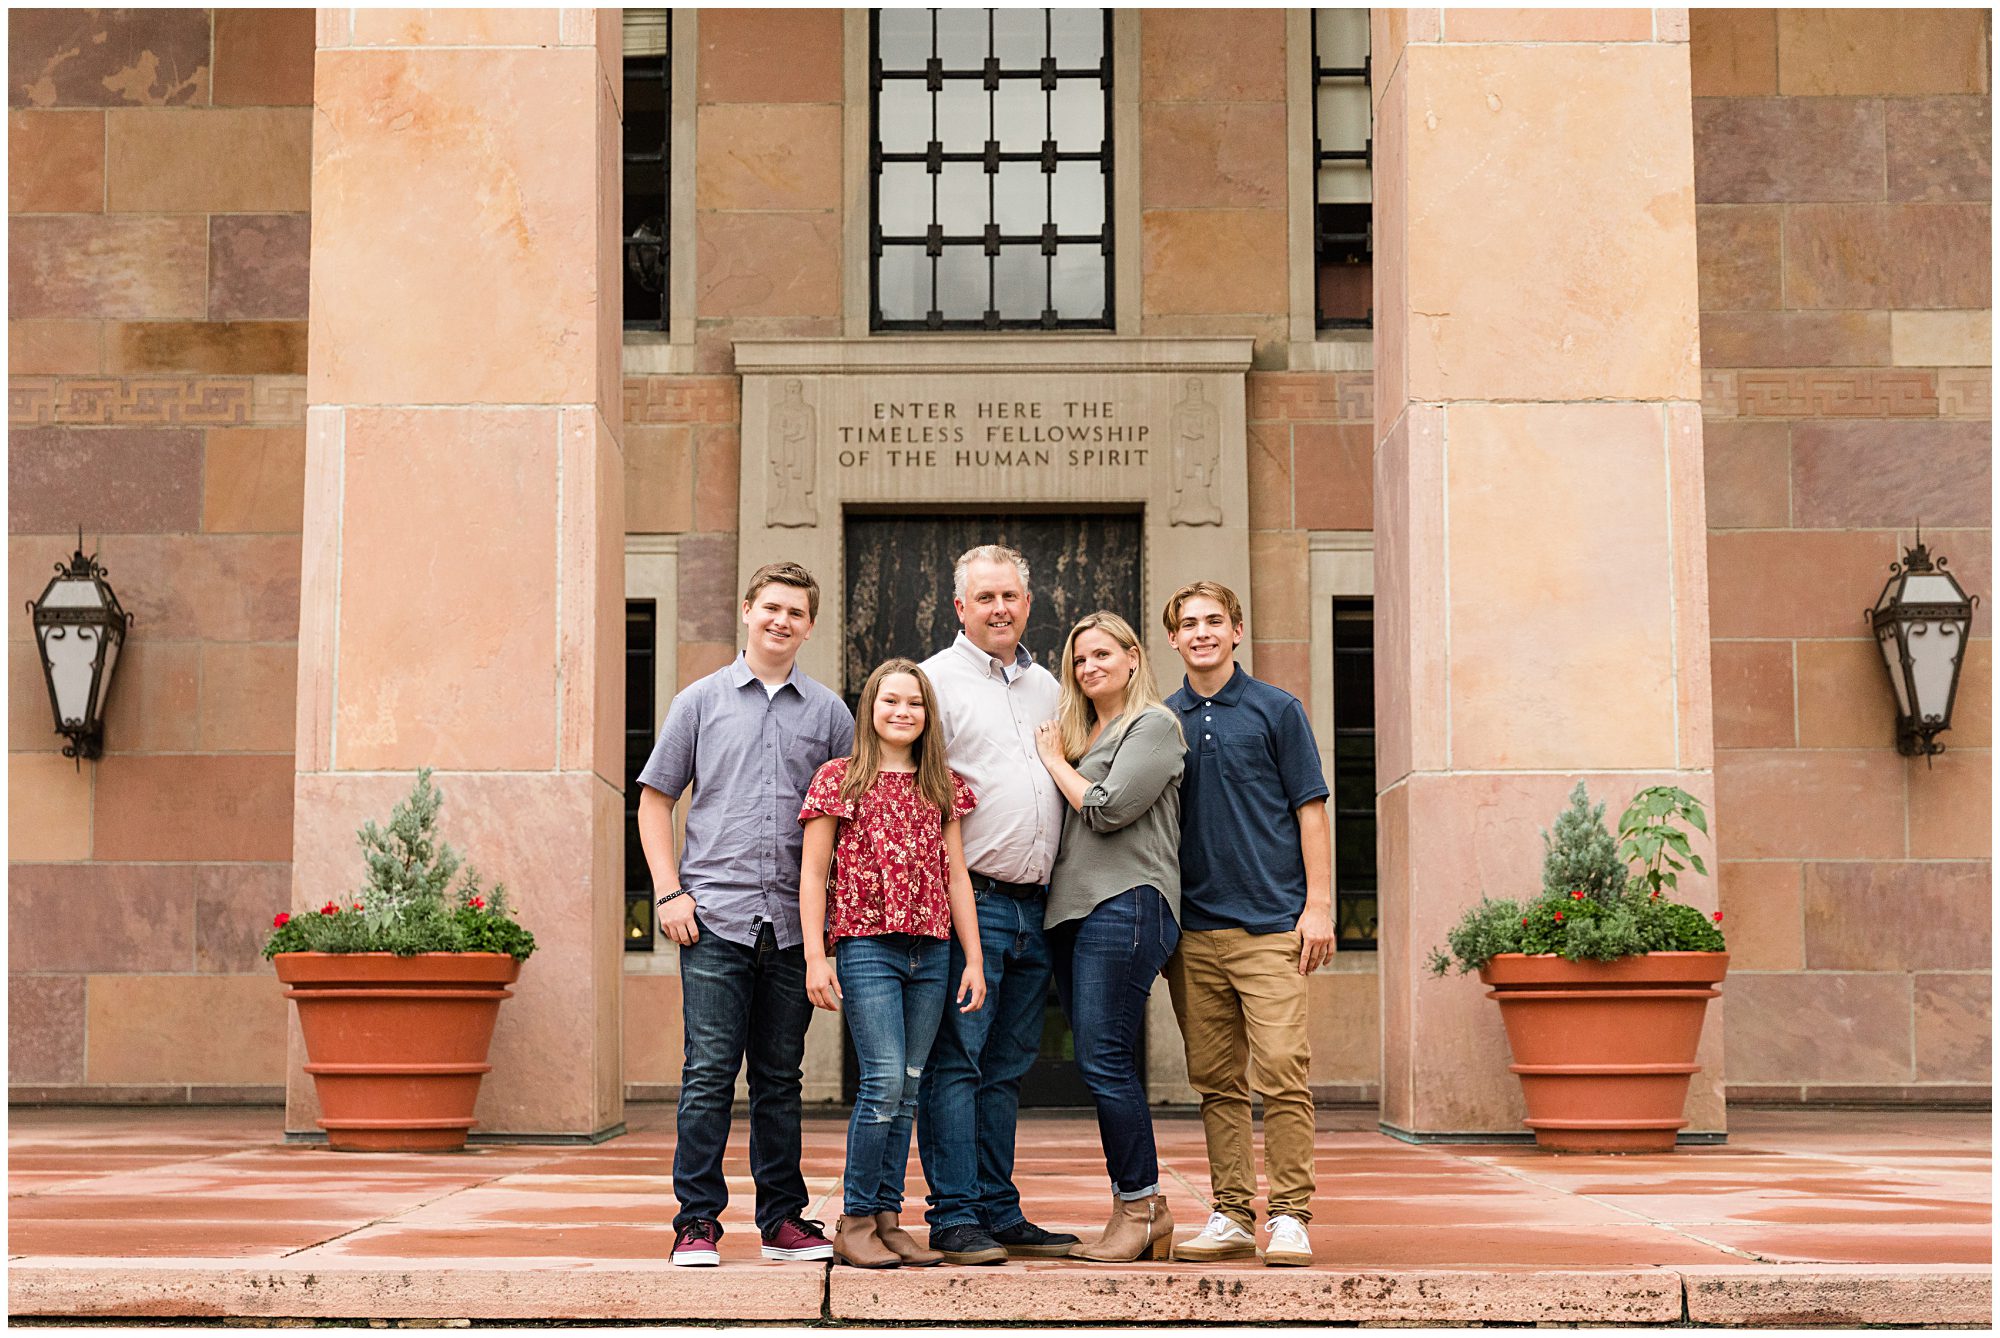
<point>899,580</point>
<point>899,603</point>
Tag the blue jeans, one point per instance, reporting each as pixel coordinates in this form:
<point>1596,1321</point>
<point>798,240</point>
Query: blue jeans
<point>738,1001</point>
<point>1105,966</point>
<point>893,991</point>
<point>972,1087</point>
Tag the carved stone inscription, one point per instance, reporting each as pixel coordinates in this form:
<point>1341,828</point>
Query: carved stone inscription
<point>988,433</point>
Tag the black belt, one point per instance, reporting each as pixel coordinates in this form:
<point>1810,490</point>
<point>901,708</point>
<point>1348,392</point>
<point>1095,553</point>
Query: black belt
<point>1018,891</point>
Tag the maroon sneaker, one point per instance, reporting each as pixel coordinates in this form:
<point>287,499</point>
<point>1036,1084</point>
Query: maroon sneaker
<point>797,1238</point>
<point>695,1245</point>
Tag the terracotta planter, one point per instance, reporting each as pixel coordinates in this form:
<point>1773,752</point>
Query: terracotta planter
<point>1605,1049</point>
<point>396,1046</point>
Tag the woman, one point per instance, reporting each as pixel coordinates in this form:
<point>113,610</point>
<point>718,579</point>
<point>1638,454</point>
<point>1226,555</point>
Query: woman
<point>1116,753</point>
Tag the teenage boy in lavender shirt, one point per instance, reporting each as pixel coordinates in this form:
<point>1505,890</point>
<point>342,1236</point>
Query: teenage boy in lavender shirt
<point>748,737</point>
<point>1256,920</point>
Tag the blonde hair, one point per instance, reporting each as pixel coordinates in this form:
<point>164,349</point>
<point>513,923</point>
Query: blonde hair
<point>927,751</point>
<point>1075,713</point>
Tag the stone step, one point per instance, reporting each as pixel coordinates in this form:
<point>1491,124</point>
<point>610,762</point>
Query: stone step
<point>487,1290</point>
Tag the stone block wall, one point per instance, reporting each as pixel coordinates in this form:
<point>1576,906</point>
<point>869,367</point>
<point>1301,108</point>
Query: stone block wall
<point>1214,179</point>
<point>158,210</point>
<point>1843,170</point>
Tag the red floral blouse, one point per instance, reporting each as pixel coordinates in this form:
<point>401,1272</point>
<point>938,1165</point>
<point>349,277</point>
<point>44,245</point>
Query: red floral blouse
<point>889,874</point>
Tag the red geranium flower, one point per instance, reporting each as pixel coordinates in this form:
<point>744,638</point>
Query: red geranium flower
<point>1524,919</point>
<point>1655,895</point>
<point>1718,917</point>
<point>1576,896</point>
<point>1559,916</point>
<point>329,909</point>
<point>283,918</point>
<point>357,905</point>
<point>477,903</point>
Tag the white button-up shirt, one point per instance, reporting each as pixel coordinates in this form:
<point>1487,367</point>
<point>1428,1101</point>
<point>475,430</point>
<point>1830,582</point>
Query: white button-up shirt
<point>990,711</point>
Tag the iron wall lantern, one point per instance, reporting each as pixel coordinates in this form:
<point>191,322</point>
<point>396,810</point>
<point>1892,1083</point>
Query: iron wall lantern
<point>1921,622</point>
<point>80,628</point>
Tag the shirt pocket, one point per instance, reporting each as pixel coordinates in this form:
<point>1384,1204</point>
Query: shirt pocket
<point>1248,762</point>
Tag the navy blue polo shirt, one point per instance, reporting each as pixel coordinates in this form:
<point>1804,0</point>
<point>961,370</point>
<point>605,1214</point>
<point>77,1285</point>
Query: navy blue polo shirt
<point>1251,764</point>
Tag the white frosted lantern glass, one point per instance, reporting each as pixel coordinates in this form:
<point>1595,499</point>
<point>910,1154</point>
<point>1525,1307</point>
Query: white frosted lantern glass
<point>1933,647</point>
<point>1930,588</point>
<point>1892,656</point>
<point>71,653</point>
<point>112,646</point>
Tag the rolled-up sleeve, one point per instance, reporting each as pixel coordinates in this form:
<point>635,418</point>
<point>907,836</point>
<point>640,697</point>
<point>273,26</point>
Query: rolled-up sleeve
<point>1148,760</point>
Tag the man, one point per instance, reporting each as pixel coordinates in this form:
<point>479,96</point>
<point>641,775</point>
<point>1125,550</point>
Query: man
<point>1256,920</point>
<point>991,695</point>
<point>749,737</point>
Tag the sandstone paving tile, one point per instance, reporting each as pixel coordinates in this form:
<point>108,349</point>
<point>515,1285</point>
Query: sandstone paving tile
<point>221,1206</point>
<point>23,1183</point>
<point>1850,1244</point>
<point>391,1240</point>
<point>1524,1245</point>
<point>1332,1207</point>
<point>1795,1207</point>
<point>88,1162</point>
<point>537,1183</point>
<point>152,1237</point>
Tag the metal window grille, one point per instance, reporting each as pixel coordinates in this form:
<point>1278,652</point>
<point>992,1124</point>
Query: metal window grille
<point>1343,169</point>
<point>991,169</point>
<point>1354,773</point>
<point>642,641</point>
<point>649,78</point>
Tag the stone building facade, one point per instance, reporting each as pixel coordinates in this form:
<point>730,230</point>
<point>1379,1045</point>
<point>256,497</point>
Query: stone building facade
<point>315,330</point>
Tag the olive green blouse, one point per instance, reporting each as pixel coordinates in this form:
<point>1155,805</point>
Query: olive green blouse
<point>1128,832</point>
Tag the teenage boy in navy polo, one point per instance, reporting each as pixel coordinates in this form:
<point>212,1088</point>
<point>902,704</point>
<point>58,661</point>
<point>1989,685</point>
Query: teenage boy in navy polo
<point>1256,920</point>
<point>748,737</point>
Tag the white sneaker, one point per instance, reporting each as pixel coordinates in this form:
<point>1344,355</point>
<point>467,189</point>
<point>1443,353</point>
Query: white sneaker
<point>1222,1238</point>
<point>1289,1246</point>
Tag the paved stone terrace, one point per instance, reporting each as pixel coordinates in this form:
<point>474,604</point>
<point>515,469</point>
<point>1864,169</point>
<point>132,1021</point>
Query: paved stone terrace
<point>1803,1218</point>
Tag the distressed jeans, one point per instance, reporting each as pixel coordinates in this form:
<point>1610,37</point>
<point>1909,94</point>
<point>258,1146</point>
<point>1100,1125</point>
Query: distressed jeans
<point>893,992</point>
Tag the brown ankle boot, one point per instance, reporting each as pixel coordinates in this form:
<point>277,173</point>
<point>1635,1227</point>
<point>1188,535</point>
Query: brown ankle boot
<point>1138,1229</point>
<point>856,1242</point>
<point>889,1230</point>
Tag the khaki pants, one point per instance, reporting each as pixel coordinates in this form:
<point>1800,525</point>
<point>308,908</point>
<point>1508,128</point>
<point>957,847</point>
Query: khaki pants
<point>1236,992</point>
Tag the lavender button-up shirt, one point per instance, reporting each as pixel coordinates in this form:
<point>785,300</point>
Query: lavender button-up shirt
<point>750,754</point>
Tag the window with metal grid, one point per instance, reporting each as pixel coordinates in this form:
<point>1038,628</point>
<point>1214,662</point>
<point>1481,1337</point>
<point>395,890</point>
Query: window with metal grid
<point>649,78</point>
<point>1354,905</point>
<point>991,169</point>
<point>1343,169</point>
<point>642,641</point>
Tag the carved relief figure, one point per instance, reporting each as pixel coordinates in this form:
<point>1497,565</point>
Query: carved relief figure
<point>1196,430</point>
<point>792,430</point>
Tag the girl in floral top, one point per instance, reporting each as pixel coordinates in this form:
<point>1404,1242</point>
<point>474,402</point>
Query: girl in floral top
<point>887,819</point>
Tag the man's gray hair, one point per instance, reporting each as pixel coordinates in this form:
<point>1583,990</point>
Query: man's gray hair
<point>986,553</point>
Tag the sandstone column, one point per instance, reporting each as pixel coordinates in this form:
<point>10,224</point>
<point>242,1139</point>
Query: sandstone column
<point>463,566</point>
<point>1541,578</point>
